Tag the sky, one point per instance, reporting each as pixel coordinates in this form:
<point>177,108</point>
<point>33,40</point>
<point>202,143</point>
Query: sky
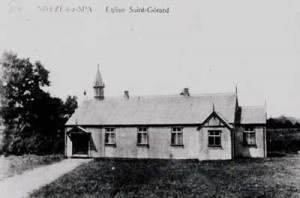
<point>208,46</point>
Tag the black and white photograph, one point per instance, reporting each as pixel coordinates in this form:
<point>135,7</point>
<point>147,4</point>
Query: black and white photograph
<point>139,98</point>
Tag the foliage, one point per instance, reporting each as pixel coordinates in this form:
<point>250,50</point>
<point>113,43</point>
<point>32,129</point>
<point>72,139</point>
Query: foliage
<point>285,140</point>
<point>283,134</point>
<point>33,119</point>
<point>283,122</point>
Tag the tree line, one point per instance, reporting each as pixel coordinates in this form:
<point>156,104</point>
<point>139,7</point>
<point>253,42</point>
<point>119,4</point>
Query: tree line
<point>33,119</point>
<point>282,122</point>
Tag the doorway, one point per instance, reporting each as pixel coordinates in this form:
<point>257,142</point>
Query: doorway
<point>80,144</point>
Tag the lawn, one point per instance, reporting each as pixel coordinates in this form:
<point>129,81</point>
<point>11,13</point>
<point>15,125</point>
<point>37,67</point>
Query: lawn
<point>271,177</point>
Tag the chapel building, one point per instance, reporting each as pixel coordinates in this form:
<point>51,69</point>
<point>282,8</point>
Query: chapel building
<point>183,126</point>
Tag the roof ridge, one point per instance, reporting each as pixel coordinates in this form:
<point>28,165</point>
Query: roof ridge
<point>169,95</point>
<point>252,106</point>
<point>162,109</point>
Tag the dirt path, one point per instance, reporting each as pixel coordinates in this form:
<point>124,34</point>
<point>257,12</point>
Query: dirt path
<point>4,167</point>
<point>21,185</point>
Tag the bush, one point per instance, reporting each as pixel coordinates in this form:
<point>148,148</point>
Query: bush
<point>283,140</point>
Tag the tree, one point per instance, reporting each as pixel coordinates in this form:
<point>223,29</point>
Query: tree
<point>283,122</point>
<point>70,106</point>
<point>33,119</point>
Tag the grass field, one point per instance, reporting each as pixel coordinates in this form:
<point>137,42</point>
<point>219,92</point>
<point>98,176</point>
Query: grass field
<point>271,177</point>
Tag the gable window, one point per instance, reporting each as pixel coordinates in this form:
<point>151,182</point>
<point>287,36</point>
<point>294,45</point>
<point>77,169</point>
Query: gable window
<point>214,138</point>
<point>110,136</point>
<point>249,136</point>
<point>176,136</point>
<point>142,136</point>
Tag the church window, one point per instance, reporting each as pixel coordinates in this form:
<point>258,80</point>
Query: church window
<point>214,138</point>
<point>177,136</point>
<point>249,136</point>
<point>142,136</point>
<point>110,136</point>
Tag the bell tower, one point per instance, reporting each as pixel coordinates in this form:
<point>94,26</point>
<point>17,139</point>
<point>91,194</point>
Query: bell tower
<point>98,86</point>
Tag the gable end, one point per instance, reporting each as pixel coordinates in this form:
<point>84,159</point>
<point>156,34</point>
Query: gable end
<point>215,120</point>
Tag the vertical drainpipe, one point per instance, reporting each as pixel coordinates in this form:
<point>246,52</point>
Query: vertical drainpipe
<point>233,131</point>
<point>233,142</point>
<point>65,140</point>
<point>102,140</point>
<point>265,131</point>
<point>89,146</point>
<point>264,139</point>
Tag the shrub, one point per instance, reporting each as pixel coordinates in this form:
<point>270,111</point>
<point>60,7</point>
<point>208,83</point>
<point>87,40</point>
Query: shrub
<point>283,140</point>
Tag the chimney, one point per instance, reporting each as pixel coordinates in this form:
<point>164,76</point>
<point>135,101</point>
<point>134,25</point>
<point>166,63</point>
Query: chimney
<point>185,92</point>
<point>126,94</point>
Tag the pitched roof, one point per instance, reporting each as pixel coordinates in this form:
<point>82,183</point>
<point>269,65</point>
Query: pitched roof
<point>253,115</point>
<point>155,110</point>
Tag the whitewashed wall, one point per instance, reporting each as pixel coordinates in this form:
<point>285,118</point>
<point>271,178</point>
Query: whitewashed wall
<point>258,151</point>
<point>215,153</point>
<point>195,144</point>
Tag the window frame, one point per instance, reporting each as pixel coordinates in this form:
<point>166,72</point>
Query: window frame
<point>249,133</point>
<point>214,136</point>
<point>141,131</point>
<point>177,131</point>
<point>112,132</point>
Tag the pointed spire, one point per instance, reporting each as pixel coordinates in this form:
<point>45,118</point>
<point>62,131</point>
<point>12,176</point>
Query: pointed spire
<point>236,89</point>
<point>99,86</point>
<point>98,80</point>
<point>213,107</point>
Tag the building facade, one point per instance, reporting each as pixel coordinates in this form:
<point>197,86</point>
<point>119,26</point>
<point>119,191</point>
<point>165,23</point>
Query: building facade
<point>183,126</point>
